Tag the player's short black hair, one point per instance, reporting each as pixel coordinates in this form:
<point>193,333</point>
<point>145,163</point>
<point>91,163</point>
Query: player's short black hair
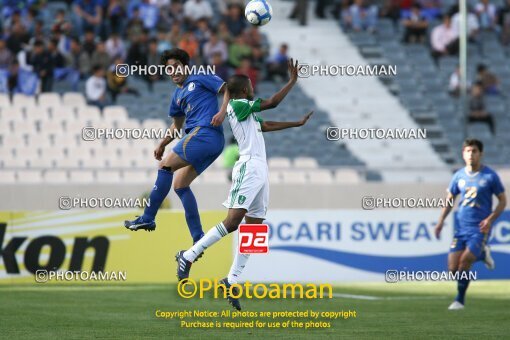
<point>473,142</point>
<point>175,53</point>
<point>237,83</point>
<point>481,67</point>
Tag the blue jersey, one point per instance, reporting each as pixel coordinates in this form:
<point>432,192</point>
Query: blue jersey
<point>197,100</point>
<point>476,191</point>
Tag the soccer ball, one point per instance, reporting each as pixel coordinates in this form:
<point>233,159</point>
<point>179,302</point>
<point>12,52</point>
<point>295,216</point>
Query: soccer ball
<point>258,12</point>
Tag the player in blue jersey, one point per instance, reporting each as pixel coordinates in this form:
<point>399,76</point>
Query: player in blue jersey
<point>476,184</point>
<point>195,104</point>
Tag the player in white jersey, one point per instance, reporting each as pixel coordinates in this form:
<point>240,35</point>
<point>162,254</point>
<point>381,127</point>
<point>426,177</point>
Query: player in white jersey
<point>249,194</point>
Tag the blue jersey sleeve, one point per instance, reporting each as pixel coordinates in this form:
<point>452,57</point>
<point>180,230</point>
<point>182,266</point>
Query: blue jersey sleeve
<point>211,82</point>
<point>453,188</point>
<point>175,110</point>
<point>496,185</point>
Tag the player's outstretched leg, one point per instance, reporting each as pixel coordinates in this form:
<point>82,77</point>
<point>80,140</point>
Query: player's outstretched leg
<point>159,192</point>
<point>186,258</point>
<point>486,257</point>
<point>465,263</point>
<point>229,289</point>
<point>237,267</point>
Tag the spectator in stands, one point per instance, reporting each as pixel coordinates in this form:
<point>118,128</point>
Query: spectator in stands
<point>175,33</point>
<point>118,85</point>
<point>12,80</point>
<point>135,24</point>
<point>504,22</point>
<point>391,9</point>
<point>116,14</point>
<point>95,87</point>
<point>258,58</point>
<point>42,65</point>
<point>415,26</point>
<point>115,46</point>
<point>202,32</point>
<point>149,14</point>
<point>189,44</point>
<point>488,80</point>
<point>17,38</point>
<point>247,69</point>
<point>5,55</point>
<point>444,40</point>
<point>486,13</point>
<point>277,65</point>
<point>88,44</point>
<point>213,46</point>
<point>62,70</point>
<point>100,56</point>
<point>477,112</point>
<point>137,53</point>
<point>237,50</point>
<point>472,23</point>
<point>88,14</point>
<point>153,59</point>
<point>224,34</point>
<point>196,9</point>
<point>163,41</point>
<point>454,83</point>
<point>360,16</point>
<point>220,67</point>
<point>430,9</point>
<point>234,19</point>
<point>253,37</point>
<point>79,61</point>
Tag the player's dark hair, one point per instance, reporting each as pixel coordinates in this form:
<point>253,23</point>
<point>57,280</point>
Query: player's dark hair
<point>473,142</point>
<point>481,68</point>
<point>177,54</point>
<point>236,84</point>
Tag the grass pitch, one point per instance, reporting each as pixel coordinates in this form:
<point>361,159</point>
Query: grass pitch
<point>402,310</point>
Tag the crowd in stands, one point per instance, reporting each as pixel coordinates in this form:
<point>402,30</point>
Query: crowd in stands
<point>86,39</point>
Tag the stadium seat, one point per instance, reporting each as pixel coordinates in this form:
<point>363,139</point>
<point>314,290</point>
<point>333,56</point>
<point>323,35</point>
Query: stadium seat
<point>305,163</point>
<point>81,176</point>
<point>7,176</point>
<point>136,177</point>
<point>4,101</point>
<point>114,114</point>
<point>56,176</point>
<point>294,177</point>
<point>49,100</point>
<point>278,163</point>
<point>275,177</point>
<point>29,176</point>
<point>320,176</point>
<point>347,176</point>
<point>108,176</point>
<point>73,99</point>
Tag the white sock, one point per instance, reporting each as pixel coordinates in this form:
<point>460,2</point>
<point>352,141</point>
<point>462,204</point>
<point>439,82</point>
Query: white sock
<point>211,237</point>
<point>237,267</point>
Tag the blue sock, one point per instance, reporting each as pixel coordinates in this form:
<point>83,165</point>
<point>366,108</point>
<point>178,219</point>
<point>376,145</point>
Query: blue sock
<point>462,286</point>
<point>191,212</point>
<point>158,194</point>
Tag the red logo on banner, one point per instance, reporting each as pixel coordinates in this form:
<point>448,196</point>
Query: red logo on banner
<point>253,238</point>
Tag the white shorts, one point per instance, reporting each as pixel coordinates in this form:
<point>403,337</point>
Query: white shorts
<point>250,187</point>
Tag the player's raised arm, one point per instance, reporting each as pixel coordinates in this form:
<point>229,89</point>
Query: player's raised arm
<point>444,213</point>
<point>276,99</point>
<point>173,129</point>
<point>275,126</point>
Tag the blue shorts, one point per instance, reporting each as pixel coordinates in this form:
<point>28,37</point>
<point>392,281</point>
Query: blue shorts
<point>475,241</point>
<point>200,147</point>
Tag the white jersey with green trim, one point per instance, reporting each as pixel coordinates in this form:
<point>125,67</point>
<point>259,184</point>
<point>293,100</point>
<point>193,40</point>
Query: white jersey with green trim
<point>246,127</point>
